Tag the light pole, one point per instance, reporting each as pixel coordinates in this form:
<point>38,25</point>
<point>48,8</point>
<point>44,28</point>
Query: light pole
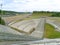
<point>1,13</point>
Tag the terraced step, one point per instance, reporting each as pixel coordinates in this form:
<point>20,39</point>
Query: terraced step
<point>25,26</point>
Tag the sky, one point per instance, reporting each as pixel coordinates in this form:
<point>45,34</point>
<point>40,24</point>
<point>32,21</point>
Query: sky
<point>30,5</point>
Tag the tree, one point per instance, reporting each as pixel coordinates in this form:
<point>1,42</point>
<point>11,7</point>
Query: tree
<point>56,14</point>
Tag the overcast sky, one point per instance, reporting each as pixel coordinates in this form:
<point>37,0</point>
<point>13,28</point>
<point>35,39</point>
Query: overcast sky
<point>30,5</point>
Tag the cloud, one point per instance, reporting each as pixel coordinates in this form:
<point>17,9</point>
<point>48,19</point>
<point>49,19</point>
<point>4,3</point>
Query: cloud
<point>0,1</point>
<point>31,5</point>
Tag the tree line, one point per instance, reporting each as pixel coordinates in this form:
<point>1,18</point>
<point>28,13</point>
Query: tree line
<point>54,14</point>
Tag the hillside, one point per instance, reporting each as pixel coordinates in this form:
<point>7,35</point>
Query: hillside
<point>46,13</point>
<point>11,12</point>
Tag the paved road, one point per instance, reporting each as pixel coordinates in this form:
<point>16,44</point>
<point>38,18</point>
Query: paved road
<point>47,44</point>
<point>44,41</point>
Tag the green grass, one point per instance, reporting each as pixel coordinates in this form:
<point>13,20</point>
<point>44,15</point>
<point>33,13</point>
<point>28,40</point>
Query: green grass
<point>42,14</point>
<point>38,15</point>
<point>32,17</point>
<point>50,32</point>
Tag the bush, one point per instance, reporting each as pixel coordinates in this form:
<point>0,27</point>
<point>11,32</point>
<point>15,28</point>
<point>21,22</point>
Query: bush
<point>2,21</point>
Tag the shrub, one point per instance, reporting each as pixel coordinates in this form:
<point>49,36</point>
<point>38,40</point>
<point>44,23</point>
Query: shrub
<point>2,21</point>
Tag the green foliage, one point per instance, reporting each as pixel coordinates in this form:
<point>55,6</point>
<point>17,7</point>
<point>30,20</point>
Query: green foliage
<point>50,32</point>
<point>56,14</point>
<point>2,21</point>
<point>47,13</point>
<point>42,13</point>
<point>7,12</point>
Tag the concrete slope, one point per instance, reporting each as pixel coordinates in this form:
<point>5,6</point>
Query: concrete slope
<point>39,30</point>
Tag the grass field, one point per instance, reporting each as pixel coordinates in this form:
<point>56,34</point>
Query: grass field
<point>38,15</point>
<point>42,14</point>
<point>50,32</point>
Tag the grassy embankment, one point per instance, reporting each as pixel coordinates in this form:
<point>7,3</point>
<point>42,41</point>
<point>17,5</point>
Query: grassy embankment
<point>50,32</point>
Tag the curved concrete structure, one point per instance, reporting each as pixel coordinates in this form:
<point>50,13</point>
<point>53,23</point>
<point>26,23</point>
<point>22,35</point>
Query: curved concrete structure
<point>26,25</point>
<point>54,23</point>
